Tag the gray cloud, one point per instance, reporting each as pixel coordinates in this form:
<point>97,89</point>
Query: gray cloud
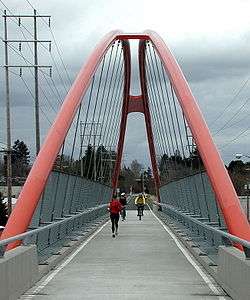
<point>214,63</point>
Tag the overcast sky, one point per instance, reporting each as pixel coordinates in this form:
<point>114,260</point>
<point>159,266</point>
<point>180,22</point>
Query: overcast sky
<point>210,40</point>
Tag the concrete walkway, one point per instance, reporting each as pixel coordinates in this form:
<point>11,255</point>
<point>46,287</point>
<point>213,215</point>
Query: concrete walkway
<point>142,262</point>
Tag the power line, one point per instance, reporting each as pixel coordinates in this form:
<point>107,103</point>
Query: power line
<point>16,21</point>
<point>234,115</point>
<point>28,62</point>
<point>57,47</point>
<point>238,122</point>
<point>35,64</point>
<point>231,102</point>
<point>30,92</point>
<point>235,138</point>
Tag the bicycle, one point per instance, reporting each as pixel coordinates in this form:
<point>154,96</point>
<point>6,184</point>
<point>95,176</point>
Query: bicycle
<point>140,211</point>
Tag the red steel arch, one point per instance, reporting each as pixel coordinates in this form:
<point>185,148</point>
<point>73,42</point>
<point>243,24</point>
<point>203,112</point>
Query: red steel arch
<point>225,194</point>
<point>21,215</point>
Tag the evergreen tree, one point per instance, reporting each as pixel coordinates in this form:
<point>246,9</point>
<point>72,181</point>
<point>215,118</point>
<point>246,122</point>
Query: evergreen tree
<point>88,162</point>
<point>164,165</point>
<point>3,212</point>
<point>20,158</point>
<point>196,160</point>
<point>101,162</point>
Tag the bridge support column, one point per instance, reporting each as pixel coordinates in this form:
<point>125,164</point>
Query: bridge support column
<point>137,104</point>
<point>123,124</point>
<point>148,117</point>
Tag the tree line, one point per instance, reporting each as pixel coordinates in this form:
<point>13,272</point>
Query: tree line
<point>20,160</point>
<point>175,166</point>
<point>240,176</point>
<point>96,164</point>
<point>133,177</point>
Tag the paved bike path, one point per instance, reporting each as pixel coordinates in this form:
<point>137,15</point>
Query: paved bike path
<point>142,262</point>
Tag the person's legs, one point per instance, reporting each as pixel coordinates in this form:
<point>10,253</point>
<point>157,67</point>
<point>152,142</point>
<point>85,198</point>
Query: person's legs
<point>116,223</point>
<point>112,218</point>
<point>123,214</point>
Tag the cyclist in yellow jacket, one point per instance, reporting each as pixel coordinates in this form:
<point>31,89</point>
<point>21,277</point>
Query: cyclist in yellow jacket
<point>140,202</point>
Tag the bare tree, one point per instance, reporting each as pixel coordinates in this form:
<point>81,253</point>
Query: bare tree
<point>136,168</point>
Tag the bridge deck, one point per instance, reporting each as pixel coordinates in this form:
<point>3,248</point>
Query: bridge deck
<point>143,262</point>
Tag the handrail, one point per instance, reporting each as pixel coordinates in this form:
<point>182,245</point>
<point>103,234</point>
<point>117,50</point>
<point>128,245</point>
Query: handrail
<point>22,236</point>
<point>229,238</point>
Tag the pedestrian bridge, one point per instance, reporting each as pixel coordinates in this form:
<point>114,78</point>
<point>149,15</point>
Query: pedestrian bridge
<point>65,197</point>
<point>155,258</point>
<point>145,261</point>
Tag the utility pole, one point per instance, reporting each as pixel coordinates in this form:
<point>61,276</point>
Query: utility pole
<point>247,188</point>
<point>35,64</point>
<point>36,86</point>
<point>8,128</point>
<point>111,158</point>
<point>95,133</point>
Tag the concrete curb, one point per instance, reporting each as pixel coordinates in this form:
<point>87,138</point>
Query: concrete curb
<point>18,272</point>
<point>199,255</point>
<point>233,270</point>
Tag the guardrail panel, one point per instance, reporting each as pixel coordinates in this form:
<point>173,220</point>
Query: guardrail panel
<point>194,196</point>
<point>210,198</point>
<point>65,196</point>
<point>49,198</point>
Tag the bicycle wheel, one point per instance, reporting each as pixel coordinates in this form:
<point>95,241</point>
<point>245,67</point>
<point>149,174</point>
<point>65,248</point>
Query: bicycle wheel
<point>140,213</point>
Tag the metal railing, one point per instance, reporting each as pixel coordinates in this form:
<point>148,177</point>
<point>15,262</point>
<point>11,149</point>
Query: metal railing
<point>227,238</point>
<point>193,194</point>
<point>27,236</point>
<point>65,195</point>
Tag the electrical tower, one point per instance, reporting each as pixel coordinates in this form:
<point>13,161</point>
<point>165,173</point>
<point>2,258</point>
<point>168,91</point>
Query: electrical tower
<point>36,67</point>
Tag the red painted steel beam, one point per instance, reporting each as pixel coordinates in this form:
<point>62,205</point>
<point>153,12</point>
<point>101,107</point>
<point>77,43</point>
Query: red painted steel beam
<point>226,196</point>
<point>130,104</point>
<point>132,36</point>
<point>135,104</point>
<point>21,216</point>
<point>125,106</point>
<point>143,81</point>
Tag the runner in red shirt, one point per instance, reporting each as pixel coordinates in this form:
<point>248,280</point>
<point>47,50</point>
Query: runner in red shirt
<point>114,208</point>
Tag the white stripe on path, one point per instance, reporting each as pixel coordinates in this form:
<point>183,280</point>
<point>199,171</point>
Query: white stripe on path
<point>49,277</point>
<point>206,277</point>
